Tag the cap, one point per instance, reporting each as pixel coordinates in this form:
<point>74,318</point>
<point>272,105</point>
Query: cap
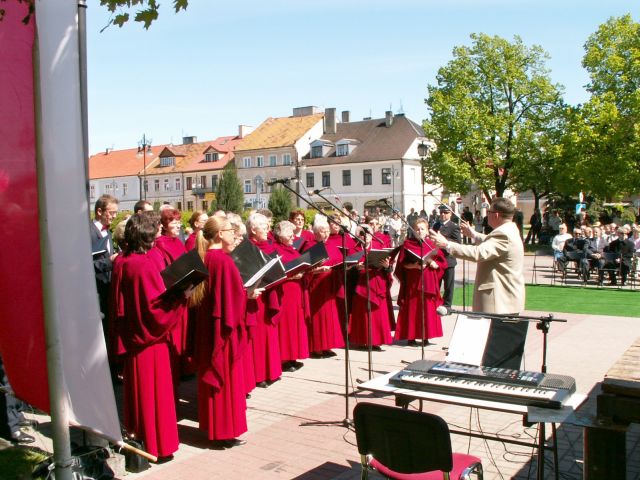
<point>444,208</point>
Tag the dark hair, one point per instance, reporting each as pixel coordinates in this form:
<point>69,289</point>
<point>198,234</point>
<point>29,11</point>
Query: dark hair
<point>103,201</point>
<point>168,215</point>
<point>503,206</point>
<point>294,213</point>
<point>194,218</point>
<point>139,206</point>
<point>140,232</point>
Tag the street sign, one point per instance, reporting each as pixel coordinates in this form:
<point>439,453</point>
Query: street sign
<point>459,200</point>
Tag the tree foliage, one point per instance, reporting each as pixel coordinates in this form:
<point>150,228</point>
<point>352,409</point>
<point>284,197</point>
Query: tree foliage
<point>489,103</point>
<point>146,13</point>
<point>280,204</point>
<point>605,132</point>
<point>229,196</point>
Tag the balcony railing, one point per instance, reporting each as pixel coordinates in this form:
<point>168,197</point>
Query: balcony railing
<point>202,191</point>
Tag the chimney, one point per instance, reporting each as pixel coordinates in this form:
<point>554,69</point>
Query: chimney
<point>345,116</point>
<point>388,118</point>
<point>189,140</point>
<point>305,111</point>
<point>244,130</point>
<point>330,121</point>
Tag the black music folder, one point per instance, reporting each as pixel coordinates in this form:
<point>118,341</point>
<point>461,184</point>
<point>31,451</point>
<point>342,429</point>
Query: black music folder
<point>188,270</point>
<point>254,265</point>
<point>412,257</point>
<point>311,258</point>
<point>378,255</point>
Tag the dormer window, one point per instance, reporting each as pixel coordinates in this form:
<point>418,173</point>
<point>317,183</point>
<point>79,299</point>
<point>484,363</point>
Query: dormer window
<point>345,147</point>
<point>167,161</point>
<point>320,148</point>
<point>211,157</point>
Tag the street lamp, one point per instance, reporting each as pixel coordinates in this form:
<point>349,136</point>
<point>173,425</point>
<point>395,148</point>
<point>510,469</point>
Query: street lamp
<point>424,150</point>
<point>298,167</point>
<point>259,183</point>
<point>144,149</point>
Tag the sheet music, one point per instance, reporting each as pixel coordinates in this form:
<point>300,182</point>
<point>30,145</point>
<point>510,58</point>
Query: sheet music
<point>468,340</point>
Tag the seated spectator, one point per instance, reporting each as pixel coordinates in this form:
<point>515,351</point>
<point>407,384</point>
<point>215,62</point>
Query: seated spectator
<point>557,244</point>
<point>624,247</point>
<point>576,244</point>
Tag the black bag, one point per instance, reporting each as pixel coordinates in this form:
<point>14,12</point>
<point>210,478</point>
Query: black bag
<point>88,463</point>
<point>133,462</point>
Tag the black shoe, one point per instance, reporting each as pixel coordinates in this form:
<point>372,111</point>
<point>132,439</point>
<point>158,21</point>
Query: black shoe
<point>262,384</point>
<point>22,437</point>
<point>166,459</point>
<point>316,355</point>
<point>288,367</point>
<point>298,365</point>
<point>271,382</point>
<point>329,354</point>
<point>377,348</point>
<point>412,343</point>
<point>234,442</point>
<point>247,396</point>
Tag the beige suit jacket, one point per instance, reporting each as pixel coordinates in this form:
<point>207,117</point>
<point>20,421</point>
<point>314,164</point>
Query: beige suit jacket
<point>499,284</point>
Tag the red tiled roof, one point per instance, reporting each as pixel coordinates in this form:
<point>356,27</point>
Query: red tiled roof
<point>225,146</point>
<point>120,163</point>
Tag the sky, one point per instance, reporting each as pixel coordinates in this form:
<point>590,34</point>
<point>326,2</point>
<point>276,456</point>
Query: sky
<point>221,63</point>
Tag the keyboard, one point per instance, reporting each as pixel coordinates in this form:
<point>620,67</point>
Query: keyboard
<point>518,387</point>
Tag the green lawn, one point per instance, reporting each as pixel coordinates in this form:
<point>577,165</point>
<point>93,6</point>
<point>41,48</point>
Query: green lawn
<point>543,298</point>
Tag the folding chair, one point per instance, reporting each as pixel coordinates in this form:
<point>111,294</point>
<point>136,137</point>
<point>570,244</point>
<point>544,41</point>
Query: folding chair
<point>406,444</point>
<point>612,266</point>
<point>540,265</point>
<point>575,258</point>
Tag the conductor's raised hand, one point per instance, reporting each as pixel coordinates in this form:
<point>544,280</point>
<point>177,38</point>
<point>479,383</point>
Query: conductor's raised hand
<point>438,239</point>
<point>467,229</point>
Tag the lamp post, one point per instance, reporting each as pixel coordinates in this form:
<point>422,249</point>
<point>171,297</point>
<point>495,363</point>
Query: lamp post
<point>259,183</point>
<point>424,150</point>
<point>298,167</point>
<point>144,149</point>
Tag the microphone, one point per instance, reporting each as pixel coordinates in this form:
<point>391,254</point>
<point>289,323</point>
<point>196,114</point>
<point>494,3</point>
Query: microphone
<point>317,191</point>
<point>442,310</point>
<point>280,180</point>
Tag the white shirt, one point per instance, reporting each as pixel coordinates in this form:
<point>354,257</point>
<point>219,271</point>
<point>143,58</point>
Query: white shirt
<point>557,244</point>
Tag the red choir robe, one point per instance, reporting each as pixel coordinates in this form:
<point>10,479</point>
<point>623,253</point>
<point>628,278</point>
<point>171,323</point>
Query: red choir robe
<point>409,325</point>
<point>221,340</point>
<point>335,241</point>
<point>145,320</point>
<point>190,242</point>
<point>265,340</point>
<point>292,324</point>
<point>378,298</point>
<point>325,331</point>
<point>182,335</point>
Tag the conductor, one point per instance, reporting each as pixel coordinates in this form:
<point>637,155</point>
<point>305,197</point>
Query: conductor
<point>499,283</point>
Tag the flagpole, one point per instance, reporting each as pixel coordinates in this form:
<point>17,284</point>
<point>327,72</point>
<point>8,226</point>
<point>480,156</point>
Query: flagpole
<point>84,104</point>
<point>58,403</point>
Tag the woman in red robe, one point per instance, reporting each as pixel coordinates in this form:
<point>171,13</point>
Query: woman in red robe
<point>301,236</point>
<point>292,325</point>
<point>267,365</point>
<point>171,247</point>
<point>409,324</point>
<point>376,296</point>
<point>197,221</point>
<point>221,338</point>
<point>340,239</point>
<point>145,320</point>
<point>324,283</point>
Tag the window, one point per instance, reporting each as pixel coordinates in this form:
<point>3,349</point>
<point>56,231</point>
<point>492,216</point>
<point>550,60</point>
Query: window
<point>366,176</point>
<point>246,162</point>
<point>326,179</point>
<point>346,177</point>
<point>214,182</point>
<point>179,205</point>
<point>211,157</point>
<point>156,185</point>
<point>146,185</point>
<point>386,176</point>
<point>205,205</point>
<point>107,189</point>
<point>316,151</point>
<point>167,187</point>
<point>342,150</point>
<point>310,180</point>
<point>189,183</point>
<point>125,187</point>
<point>203,181</point>
<point>167,161</point>
<point>286,159</point>
<point>273,160</point>
<point>247,186</point>
<point>92,190</point>
<point>259,161</point>
<point>190,206</point>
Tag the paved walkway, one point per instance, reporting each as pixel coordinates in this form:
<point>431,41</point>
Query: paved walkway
<point>296,430</point>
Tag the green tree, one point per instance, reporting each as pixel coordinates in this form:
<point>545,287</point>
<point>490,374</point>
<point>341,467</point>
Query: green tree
<point>146,14</point>
<point>605,132</point>
<point>280,204</point>
<point>229,196</point>
<point>489,97</point>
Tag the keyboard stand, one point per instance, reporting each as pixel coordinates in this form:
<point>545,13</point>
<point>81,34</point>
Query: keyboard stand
<point>530,415</point>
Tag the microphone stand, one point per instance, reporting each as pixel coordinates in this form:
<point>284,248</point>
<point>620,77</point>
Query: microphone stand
<point>347,422</point>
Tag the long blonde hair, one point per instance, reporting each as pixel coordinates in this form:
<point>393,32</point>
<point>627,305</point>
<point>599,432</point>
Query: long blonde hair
<point>206,237</point>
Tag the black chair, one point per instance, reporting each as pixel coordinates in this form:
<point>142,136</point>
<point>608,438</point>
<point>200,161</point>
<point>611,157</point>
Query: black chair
<point>575,258</point>
<point>541,264</point>
<point>612,265</point>
<point>398,442</point>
